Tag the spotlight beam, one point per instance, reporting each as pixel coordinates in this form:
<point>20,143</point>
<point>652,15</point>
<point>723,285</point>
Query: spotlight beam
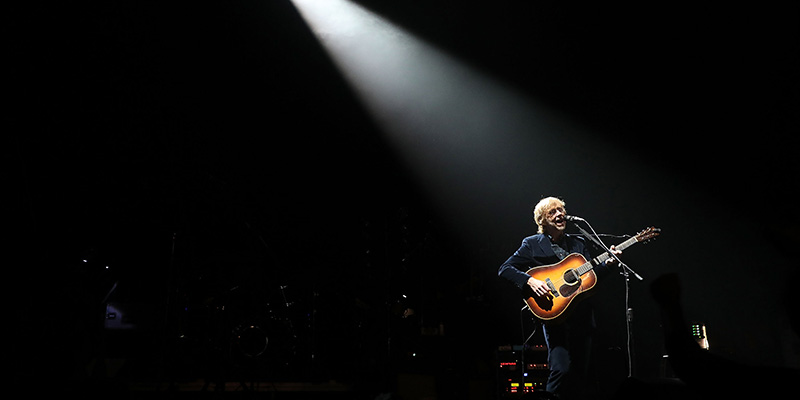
<point>474,142</point>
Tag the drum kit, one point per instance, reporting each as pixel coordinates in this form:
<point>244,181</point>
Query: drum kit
<point>293,331</point>
<point>247,329</point>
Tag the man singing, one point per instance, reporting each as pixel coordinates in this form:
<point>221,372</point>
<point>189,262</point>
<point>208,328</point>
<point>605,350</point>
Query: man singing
<point>569,339</point>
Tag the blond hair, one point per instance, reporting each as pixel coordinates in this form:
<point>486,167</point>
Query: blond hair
<point>543,206</point>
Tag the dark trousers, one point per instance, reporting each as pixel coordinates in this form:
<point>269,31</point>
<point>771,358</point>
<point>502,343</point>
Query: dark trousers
<point>569,347</point>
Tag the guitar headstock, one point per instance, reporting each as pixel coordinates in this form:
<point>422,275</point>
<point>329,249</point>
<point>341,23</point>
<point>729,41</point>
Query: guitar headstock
<point>648,234</point>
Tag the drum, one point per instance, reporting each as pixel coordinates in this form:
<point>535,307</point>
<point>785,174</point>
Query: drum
<point>249,340</point>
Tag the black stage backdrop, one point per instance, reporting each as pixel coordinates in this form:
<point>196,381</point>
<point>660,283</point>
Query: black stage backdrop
<point>205,168</point>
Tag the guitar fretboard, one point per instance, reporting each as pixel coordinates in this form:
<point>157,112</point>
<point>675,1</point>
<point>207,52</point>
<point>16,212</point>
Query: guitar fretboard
<point>605,256</point>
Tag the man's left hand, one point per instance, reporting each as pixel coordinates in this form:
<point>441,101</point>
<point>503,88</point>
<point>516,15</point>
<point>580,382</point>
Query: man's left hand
<point>613,261</point>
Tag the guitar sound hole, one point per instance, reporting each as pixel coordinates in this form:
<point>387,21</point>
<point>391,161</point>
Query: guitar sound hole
<point>571,277</point>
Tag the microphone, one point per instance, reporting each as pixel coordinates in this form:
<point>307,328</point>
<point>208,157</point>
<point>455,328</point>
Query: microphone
<point>573,218</point>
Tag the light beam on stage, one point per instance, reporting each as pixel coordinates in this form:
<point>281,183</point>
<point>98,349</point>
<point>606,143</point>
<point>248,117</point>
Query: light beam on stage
<point>472,141</point>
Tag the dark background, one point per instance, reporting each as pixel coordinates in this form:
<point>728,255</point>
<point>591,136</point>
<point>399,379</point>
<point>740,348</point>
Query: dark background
<point>210,154</point>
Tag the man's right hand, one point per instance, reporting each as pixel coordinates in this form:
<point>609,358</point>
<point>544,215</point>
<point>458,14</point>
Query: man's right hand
<point>539,287</point>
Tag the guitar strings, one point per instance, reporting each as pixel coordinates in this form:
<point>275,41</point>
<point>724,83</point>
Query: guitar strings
<point>561,280</point>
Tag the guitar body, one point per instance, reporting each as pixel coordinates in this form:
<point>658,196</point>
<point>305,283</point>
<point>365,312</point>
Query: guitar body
<point>565,284</point>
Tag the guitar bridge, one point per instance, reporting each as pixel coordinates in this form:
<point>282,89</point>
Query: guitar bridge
<point>552,287</point>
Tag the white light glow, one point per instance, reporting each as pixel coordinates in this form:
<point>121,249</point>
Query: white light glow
<point>469,138</point>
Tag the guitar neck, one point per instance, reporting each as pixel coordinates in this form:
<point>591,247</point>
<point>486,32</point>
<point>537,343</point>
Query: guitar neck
<point>622,246</point>
<point>605,256</point>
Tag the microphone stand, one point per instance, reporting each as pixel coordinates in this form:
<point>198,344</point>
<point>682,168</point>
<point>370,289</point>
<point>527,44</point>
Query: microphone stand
<point>626,272</point>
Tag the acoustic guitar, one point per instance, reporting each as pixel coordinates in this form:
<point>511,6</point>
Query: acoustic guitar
<point>571,277</point>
